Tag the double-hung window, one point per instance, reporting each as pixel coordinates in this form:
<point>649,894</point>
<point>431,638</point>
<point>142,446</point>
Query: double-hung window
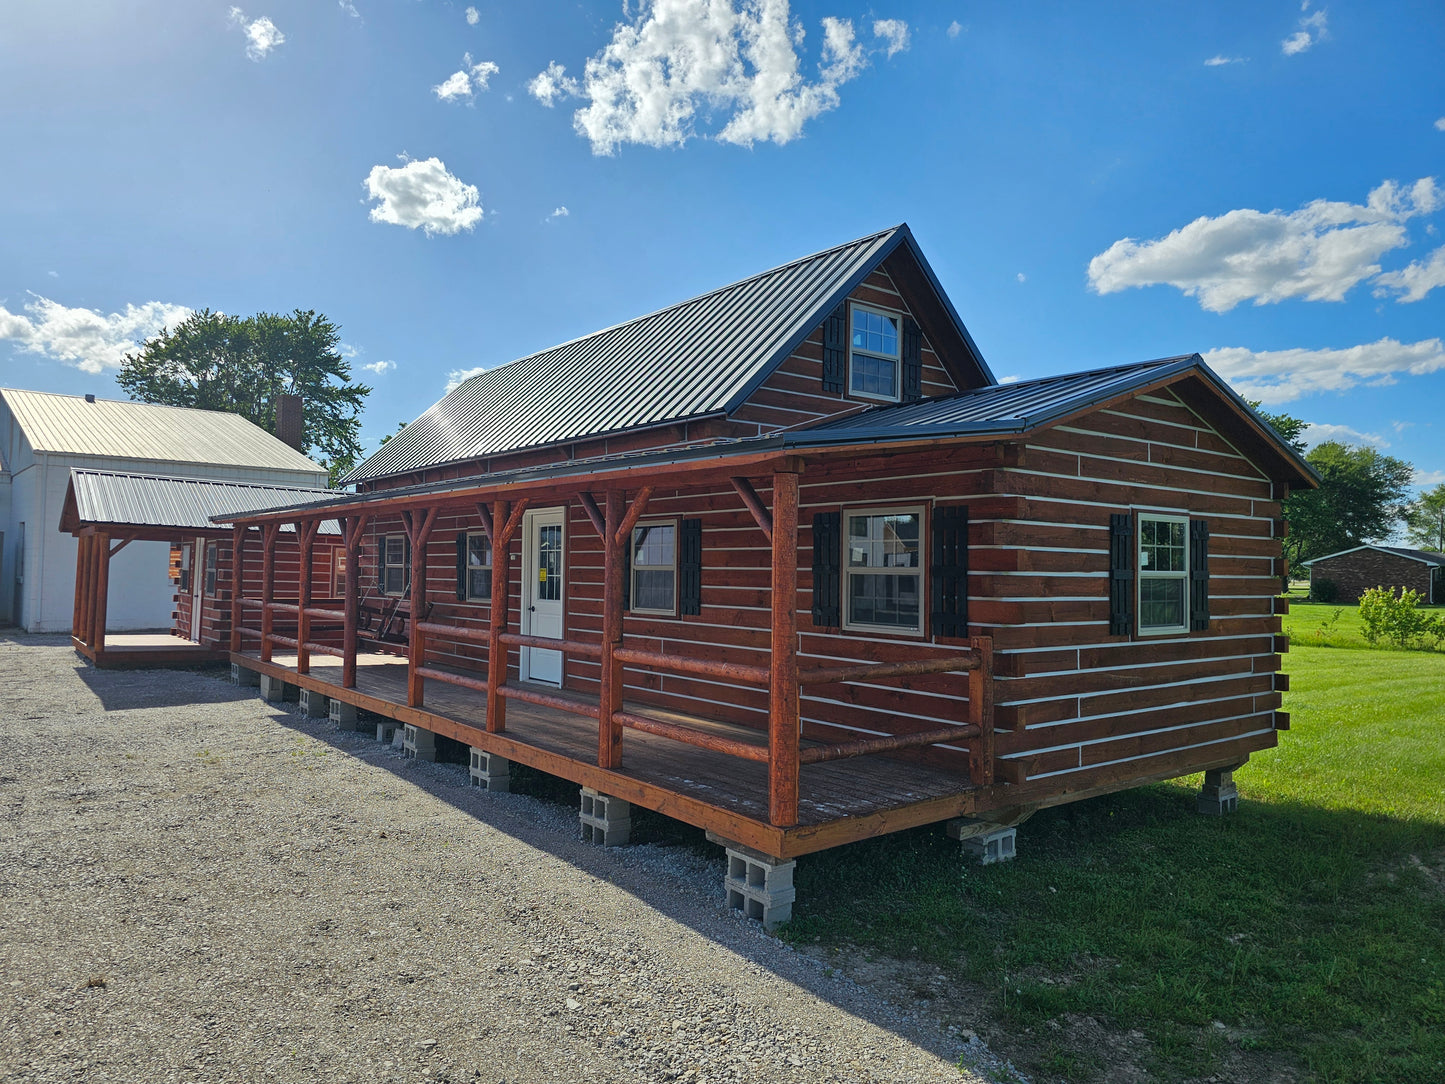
<point>873,354</point>
<point>1163,574</point>
<point>479,568</point>
<point>395,550</point>
<point>654,568</point>
<point>883,569</point>
<point>338,573</point>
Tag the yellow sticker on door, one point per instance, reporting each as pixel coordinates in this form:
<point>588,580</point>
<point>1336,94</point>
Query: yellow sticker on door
<point>541,575</point>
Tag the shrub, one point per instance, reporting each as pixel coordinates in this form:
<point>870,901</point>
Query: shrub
<point>1398,619</point>
<point>1323,590</point>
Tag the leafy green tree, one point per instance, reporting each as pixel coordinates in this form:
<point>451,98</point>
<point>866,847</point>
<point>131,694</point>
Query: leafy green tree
<point>1361,497</point>
<point>243,364</point>
<point>1290,428</point>
<point>1425,520</point>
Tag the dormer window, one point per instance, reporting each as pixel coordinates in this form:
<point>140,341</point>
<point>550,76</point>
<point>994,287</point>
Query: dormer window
<point>873,354</point>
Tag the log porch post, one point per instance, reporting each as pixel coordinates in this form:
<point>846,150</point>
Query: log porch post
<point>80,619</point>
<point>980,713</point>
<point>609,733</point>
<point>268,585</point>
<point>783,726</point>
<point>238,583</point>
<point>352,530</point>
<point>102,591</point>
<point>418,526</point>
<point>496,651</point>
<point>306,538</point>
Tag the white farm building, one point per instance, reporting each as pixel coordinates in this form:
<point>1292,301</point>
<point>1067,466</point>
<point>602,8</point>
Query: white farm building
<point>44,435</point>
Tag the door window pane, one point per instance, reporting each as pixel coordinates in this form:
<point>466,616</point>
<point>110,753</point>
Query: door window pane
<point>549,562</point>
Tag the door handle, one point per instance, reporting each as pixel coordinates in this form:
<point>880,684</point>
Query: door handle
<point>531,609</point>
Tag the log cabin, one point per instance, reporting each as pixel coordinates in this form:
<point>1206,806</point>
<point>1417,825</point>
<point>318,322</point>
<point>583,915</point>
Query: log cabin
<point>787,562</point>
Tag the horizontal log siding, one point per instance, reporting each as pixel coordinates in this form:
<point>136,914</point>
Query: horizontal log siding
<point>1083,710</point>
<point>288,588</point>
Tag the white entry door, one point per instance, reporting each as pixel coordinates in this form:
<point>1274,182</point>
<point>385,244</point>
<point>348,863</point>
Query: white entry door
<point>543,594</point>
<point>198,582</point>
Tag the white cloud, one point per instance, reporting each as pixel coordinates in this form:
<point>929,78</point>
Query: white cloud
<point>473,16</point>
<point>456,376</point>
<point>348,7</point>
<point>1281,376</point>
<point>422,195</point>
<point>1312,30</point>
<point>1022,277</point>
<point>894,33</point>
<point>1320,432</point>
<point>1012,378</point>
<point>553,84</point>
<point>560,212</point>
<point>1221,60</point>
<point>85,338</point>
<point>681,63</point>
<point>1318,252</point>
<point>472,79</point>
<point>1429,477</point>
<point>955,28</point>
<point>262,35</point>
<point>1416,280</point>
<point>380,367</point>
<point>1440,125</point>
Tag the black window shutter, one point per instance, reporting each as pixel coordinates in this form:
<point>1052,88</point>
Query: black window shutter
<point>627,572</point>
<point>948,571</point>
<point>461,566</point>
<point>912,362</point>
<point>835,350</point>
<point>827,553</point>
<point>689,567</point>
<point>1121,574</point>
<point>1198,575</point>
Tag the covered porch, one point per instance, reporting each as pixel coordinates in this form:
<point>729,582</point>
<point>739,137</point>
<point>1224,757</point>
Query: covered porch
<point>788,789</point>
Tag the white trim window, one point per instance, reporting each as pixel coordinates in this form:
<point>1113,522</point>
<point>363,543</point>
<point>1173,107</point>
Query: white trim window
<point>654,567</point>
<point>883,569</point>
<point>1163,603</point>
<point>874,353</point>
<point>213,556</point>
<point>479,568</point>
<point>395,554</point>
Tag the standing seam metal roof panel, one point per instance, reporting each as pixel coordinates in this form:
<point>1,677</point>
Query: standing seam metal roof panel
<point>690,360</point>
<point>141,500</point>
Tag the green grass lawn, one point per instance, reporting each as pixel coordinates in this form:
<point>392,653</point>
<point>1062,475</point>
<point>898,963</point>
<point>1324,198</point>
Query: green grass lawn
<point>1311,923</point>
<point>1322,624</point>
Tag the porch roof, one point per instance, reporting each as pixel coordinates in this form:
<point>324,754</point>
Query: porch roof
<point>985,414</point>
<point>153,504</point>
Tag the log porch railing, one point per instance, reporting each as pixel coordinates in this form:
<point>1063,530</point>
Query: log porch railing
<point>784,679</point>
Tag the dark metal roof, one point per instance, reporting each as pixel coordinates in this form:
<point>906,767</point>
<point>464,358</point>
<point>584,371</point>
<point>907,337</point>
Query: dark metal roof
<point>1428,557</point>
<point>701,358</point>
<point>142,500</point>
<point>1002,410</point>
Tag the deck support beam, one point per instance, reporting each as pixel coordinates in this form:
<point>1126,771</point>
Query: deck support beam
<point>609,732</point>
<point>102,594</point>
<point>505,522</point>
<point>783,724</point>
<point>77,615</point>
<point>353,528</point>
<point>754,504</point>
<point>980,712</point>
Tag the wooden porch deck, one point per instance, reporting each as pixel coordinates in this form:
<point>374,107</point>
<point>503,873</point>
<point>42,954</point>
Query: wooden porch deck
<point>839,801</point>
<point>123,650</point>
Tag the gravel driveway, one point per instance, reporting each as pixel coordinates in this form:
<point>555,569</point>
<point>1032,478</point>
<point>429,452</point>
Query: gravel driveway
<point>198,885</point>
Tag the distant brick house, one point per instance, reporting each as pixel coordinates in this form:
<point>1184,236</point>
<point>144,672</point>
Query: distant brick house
<point>1355,571</point>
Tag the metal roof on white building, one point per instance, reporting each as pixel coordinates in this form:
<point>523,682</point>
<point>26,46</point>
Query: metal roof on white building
<point>73,425</point>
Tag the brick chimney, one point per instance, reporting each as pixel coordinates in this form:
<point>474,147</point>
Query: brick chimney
<point>288,421</point>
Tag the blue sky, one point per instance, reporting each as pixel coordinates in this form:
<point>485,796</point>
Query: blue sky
<point>1254,181</point>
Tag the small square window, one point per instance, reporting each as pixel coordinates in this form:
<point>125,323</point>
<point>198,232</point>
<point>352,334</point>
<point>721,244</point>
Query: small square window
<point>479,568</point>
<point>654,568</point>
<point>873,359</point>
